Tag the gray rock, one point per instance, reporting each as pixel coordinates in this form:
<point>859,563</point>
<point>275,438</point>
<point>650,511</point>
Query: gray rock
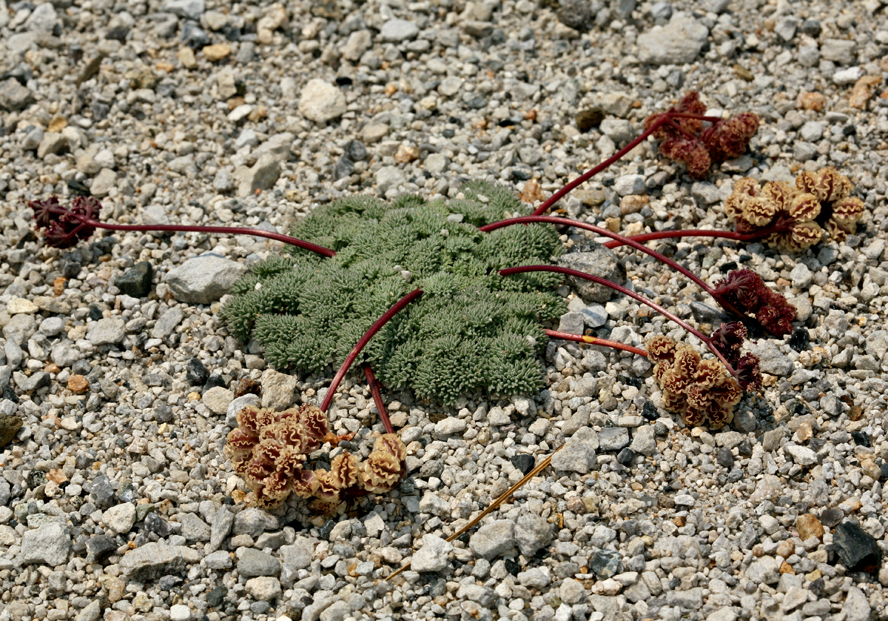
<point>277,146</point>
<point>644,440</point>
<point>437,163</point>
<point>217,399</point>
<point>337,611</point>
<point>771,359</point>
<point>494,539</point>
<point>801,455</point>
<point>620,131</point>
<point>260,176</point>
<point>14,96</point>
<point>629,184</point>
<point>49,545</point>
<point>223,182</point>
<point>120,518</point>
<point>53,143</point>
<point>223,520</point>
<point>812,131</point>
<point>786,27</point>
<point>254,562</point>
<point>594,315</point>
<point>64,354</point>
<point>263,588</point>
<point>167,322</point>
<point>532,532</point>
<point>32,139</point>
<point>19,328</point>
<point>432,555</point>
<point>388,178</point>
<point>4,491</point>
<point>766,570</point>
<point>613,438</point>
<point>593,258</point>
<point>358,42</point>
<point>107,331</point>
<point>578,454</point>
<point>219,560</point>
<point>91,612</point>
<point>321,102</point>
<point>572,323</point>
<point>677,43</point>
<point>254,522</point>
<point>856,608</point>
<point>277,389</point>
<point>299,554</point>
<point>450,86</point>
<point>189,9</point>
<point>103,183</point>
<point>34,382</point>
<point>194,528</point>
<point>842,51</point>
<point>477,29</point>
<point>535,578</point>
<point>396,30</point>
<point>203,279</point>
<point>43,19</point>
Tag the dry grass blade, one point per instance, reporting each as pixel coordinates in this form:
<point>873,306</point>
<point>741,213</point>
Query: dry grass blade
<point>496,503</point>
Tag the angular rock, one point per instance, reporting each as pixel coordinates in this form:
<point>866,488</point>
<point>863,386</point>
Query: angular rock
<point>578,454</point>
<point>167,322</point>
<point>432,555</point>
<point>49,545</point>
<point>857,549</point>
<point>299,554</point>
<point>189,9</point>
<point>593,258</point>
<point>321,102</point>
<point>203,279</point>
<point>677,43</point>
<point>263,588</point>
<point>153,560</point>
<point>14,96</point>
<point>396,30</point>
<point>261,176</point>
<point>254,562</point>
<point>107,331</point>
<point>136,281</point>
<point>532,532</point>
<point>194,528</point>
<point>120,518</point>
<point>494,539</point>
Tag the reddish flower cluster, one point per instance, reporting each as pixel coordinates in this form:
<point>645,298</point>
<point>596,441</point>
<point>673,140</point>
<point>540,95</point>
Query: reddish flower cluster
<point>269,449</point>
<point>728,340</point>
<point>745,291</point>
<point>63,228</point>
<point>700,390</point>
<point>684,140</point>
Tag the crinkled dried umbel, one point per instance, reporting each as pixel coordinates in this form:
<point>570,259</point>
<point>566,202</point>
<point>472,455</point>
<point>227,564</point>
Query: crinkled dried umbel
<point>683,139</point>
<point>702,391</point>
<point>63,228</point>
<point>798,213</point>
<point>270,449</point>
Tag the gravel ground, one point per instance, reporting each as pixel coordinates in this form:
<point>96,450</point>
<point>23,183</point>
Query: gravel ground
<point>116,501</point>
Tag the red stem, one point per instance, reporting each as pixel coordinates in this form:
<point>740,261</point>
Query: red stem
<point>607,233</point>
<point>741,237</point>
<point>624,291</point>
<point>377,398</point>
<point>376,327</point>
<point>592,340</point>
<point>216,230</point>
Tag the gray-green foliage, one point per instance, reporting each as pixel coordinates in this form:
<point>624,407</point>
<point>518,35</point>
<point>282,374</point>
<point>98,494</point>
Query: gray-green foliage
<point>471,329</point>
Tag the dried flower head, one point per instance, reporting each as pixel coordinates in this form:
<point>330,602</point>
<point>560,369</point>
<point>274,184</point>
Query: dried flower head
<point>702,391</point>
<point>63,228</point>
<point>745,291</point>
<point>798,212</point>
<point>684,140</point>
<point>270,450</point>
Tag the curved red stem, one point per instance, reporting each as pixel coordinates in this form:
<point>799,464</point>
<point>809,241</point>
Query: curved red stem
<point>592,340</point>
<point>621,289</point>
<point>377,398</point>
<point>376,327</point>
<point>733,235</point>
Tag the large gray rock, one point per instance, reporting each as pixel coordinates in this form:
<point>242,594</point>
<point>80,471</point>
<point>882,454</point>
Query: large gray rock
<point>190,9</point>
<point>494,539</point>
<point>48,544</point>
<point>771,359</point>
<point>678,42</point>
<point>107,331</point>
<point>299,554</point>
<point>395,30</point>
<point>14,96</point>
<point>532,532</point>
<point>260,176</point>
<point>153,560</point>
<point>203,279</point>
<point>254,562</point>
<point>596,260</point>
<point>432,556</point>
<point>578,454</point>
<point>321,101</point>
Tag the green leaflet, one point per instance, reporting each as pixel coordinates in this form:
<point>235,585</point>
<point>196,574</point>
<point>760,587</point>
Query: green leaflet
<point>472,330</point>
